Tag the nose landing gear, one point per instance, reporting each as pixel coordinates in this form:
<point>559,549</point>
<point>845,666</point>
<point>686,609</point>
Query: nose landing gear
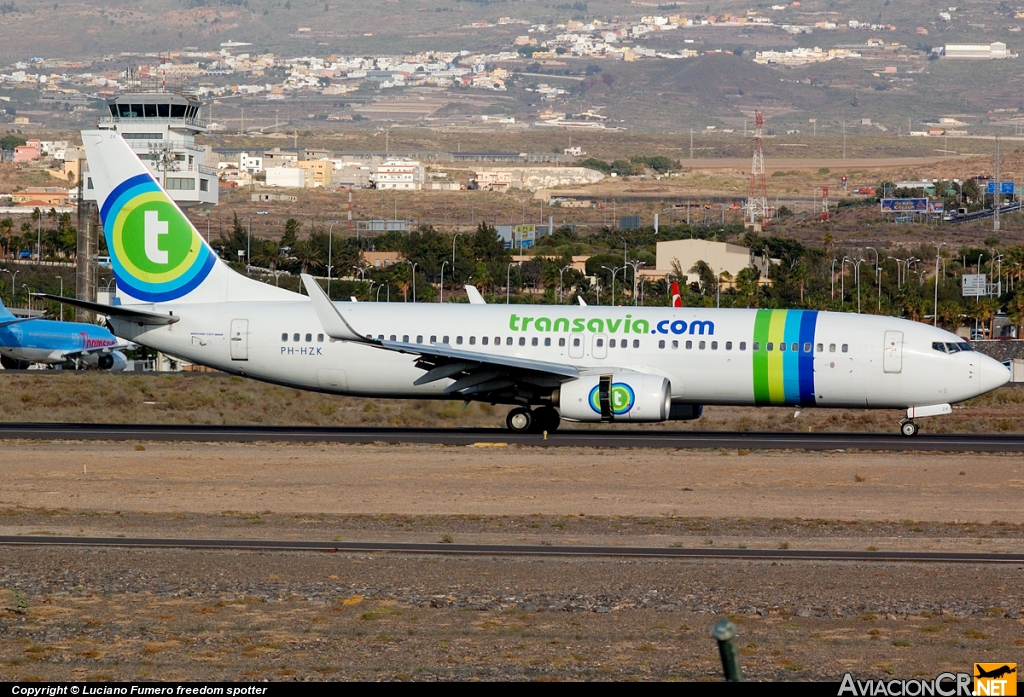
<point>908,427</point>
<point>523,420</point>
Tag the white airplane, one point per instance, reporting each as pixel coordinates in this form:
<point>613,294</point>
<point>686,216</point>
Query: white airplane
<point>598,364</point>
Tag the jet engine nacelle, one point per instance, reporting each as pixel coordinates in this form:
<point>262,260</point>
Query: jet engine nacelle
<point>115,360</point>
<point>619,397</point>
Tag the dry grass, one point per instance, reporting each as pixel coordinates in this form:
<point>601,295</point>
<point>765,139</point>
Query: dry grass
<point>213,398</point>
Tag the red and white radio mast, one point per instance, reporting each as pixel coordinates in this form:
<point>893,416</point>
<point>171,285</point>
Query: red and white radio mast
<point>757,200</point>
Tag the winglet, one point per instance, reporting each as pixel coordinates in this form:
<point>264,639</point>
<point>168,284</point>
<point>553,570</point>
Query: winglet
<point>583,303</point>
<point>474,296</point>
<point>333,323</point>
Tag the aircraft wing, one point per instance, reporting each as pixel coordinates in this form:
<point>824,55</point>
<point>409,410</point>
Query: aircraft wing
<point>98,349</point>
<point>9,322</point>
<point>475,374</point>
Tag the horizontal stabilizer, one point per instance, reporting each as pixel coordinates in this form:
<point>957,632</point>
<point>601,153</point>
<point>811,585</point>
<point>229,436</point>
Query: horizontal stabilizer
<point>125,312</point>
<point>9,322</point>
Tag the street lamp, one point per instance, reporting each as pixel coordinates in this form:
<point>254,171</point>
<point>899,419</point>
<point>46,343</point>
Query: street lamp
<point>935,302</point>
<point>61,279</point>
<point>330,255</point>
<point>413,265</point>
<point>561,295</point>
<point>440,297</point>
<point>508,283</point>
<point>28,295</point>
<point>636,266</point>
<point>453,257</point>
<point>878,278</point>
<point>248,246</point>
<point>613,272</point>
<point>14,281</point>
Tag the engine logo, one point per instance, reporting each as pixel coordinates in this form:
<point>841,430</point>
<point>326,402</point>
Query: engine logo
<point>621,397</point>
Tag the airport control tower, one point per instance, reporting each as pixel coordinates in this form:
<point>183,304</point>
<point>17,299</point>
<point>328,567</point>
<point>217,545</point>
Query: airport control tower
<point>161,126</point>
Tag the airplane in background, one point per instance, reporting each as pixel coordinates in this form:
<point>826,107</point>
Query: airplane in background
<point>580,363</point>
<point>24,341</point>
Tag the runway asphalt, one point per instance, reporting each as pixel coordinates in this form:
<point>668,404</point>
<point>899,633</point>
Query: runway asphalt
<point>598,438</point>
<point>515,550</point>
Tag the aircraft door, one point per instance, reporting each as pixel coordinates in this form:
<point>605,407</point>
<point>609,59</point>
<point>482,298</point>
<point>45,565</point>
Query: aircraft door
<point>892,358</point>
<point>239,339</point>
<point>576,346</point>
<point>599,349</point>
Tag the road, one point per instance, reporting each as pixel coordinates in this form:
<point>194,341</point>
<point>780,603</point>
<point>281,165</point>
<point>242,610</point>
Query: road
<point>599,438</point>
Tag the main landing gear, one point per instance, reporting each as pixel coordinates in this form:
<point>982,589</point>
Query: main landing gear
<point>908,427</point>
<point>523,420</point>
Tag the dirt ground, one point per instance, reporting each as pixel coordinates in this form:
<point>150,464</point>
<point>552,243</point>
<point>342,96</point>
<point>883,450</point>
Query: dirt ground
<point>208,615</point>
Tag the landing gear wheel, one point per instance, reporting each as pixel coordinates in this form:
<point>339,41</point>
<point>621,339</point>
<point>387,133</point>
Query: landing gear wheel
<point>908,428</point>
<point>546,419</point>
<point>519,420</point>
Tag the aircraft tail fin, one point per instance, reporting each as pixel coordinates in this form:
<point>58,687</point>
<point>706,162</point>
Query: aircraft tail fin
<point>4,312</point>
<point>157,254</point>
<point>677,299</point>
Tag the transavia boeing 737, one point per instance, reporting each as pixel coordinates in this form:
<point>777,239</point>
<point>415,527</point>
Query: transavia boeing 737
<point>25,341</point>
<point>602,364</point>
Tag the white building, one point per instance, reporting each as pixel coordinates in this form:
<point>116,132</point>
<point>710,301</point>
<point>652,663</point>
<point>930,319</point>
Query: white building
<point>288,177</point>
<point>977,51</point>
<point>161,128</point>
<point>404,175</point>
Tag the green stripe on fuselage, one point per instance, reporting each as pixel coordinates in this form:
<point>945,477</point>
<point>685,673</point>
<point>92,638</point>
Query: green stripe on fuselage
<point>762,322</point>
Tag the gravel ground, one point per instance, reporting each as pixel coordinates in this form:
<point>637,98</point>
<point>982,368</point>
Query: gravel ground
<point>207,615</point>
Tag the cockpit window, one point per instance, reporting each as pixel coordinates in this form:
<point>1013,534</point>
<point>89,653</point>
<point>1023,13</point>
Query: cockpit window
<point>951,348</point>
<point>939,346</point>
<point>964,346</point>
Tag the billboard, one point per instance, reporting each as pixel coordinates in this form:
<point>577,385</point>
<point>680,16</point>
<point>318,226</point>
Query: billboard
<point>973,285</point>
<point>905,205</point>
<point>1005,188</point>
<point>523,236</point>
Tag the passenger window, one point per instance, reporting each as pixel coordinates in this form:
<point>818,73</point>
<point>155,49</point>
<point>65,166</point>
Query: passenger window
<point>472,341</point>
<point>320,338</point>
<point>782,347</point>
<point>701,345</point>
<point>611,344</point>
<point>309,338</point>
<point>482,341</point>
<point>756,346</point>
<point>636,343</point>
<point>807,347</point>
<point>405,338</point>
<point>295,337</point>
<point>522,341</point>
<point>689,345</point>
<point>419,338</point>
<point>846,348</point>
<point>675,344</point>
<point>714,345</point>
<point>284,337</point>
<point>547,341</point>
<point>661,343</point>
<point>561,341</point>
<point>576,343</point>
<point>433,338</point>
<point>533,341</point>
<point>769,346</point>
<point>728,346</point>
<point>821,348</point>
<point>393,337</point>
<point>600,342</point>
<point>795,346</point>
<point>831,348</point>
<point>497,341</point>
<point>743,346</point>
<point>458,340</point>
<point>508,341</point>
<point>380,337</point>
<point>444,340</point>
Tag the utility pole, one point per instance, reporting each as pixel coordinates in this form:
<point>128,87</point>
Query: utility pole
<point>997,189</point>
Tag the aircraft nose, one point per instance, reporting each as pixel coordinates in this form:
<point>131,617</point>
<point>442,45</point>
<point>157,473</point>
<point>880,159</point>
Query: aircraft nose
<point>991,373</point>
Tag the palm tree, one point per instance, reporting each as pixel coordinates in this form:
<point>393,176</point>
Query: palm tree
<point>7,230</point>
<point>305,252</point>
